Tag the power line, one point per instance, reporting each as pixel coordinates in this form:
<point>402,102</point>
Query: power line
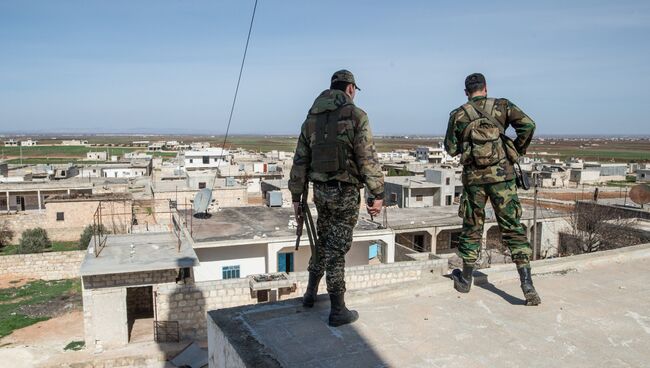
<point>234,100</point>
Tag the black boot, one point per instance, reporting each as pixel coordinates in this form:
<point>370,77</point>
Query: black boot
<point>339,313</point>
<point>463,280</point>
<point>532,298</point>
<point>309,298</point>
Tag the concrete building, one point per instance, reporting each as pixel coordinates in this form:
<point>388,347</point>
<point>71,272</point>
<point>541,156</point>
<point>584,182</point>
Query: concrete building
<point>97,156</point>
<point>553,176</point>
<point>134,279</point>
<point>435,155</point>
<point>74,142</point>
<point>643,176</point>
<point>28,143</point>
<point>209,158</point>
<point>134,169</point>
<point>11,143</point>
<point>438,187</point>
<point>26,196</point>
<point>436,229</point>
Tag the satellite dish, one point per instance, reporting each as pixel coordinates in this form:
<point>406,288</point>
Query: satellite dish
<point>202,201</point>
<point>640,194</point>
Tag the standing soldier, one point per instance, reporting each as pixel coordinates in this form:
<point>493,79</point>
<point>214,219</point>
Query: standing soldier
<point>336,152</point>
<point>476,132</point>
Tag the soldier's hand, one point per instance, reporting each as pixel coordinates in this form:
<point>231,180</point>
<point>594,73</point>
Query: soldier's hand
<point>375,209</point>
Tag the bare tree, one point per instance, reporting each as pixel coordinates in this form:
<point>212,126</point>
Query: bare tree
<point>595,228</point>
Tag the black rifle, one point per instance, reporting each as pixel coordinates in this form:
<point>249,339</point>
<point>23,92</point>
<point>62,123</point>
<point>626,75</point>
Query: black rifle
<point>305,214</point>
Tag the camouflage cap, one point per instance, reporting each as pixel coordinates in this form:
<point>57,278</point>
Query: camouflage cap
<point>474,79</point>
<point>344,76</point>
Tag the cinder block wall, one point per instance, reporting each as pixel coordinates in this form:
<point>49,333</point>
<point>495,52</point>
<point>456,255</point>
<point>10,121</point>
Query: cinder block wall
<point>188,304</point>
<point>44,266</point>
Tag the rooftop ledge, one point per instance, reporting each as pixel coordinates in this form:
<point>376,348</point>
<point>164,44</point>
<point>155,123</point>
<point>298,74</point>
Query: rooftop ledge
<point>595,311</point>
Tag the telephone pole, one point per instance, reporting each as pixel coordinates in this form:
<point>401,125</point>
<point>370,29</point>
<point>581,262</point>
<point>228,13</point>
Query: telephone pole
<point>534,234</point>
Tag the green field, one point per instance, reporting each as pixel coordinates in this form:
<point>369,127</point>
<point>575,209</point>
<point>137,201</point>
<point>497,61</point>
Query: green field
<point>31,303</point>
<point>56,247</point>
<point>590,149</point>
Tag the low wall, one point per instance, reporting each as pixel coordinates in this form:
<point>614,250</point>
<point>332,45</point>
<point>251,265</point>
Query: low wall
<point>188,304</point>
<point>45,266</point>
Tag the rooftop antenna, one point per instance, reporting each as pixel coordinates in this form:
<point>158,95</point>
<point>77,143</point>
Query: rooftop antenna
<point>234,100</point>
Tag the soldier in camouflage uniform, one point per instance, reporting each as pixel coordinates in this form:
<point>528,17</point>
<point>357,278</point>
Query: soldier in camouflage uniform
<point>488,172</point>
<point>336,152</point>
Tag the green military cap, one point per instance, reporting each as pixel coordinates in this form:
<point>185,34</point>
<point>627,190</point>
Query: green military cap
<point>344,76</point>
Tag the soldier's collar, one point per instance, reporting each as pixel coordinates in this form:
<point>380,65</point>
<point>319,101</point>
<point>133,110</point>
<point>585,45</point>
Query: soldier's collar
<point>476,98</point>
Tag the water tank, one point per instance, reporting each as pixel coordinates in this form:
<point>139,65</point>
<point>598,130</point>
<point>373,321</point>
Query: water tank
<point>274,198</point>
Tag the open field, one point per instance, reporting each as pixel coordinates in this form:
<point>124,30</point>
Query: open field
<point>597,149</point>
<point>36,301</point>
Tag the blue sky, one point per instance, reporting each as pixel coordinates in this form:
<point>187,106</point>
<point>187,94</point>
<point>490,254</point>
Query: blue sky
<point>576,67</point>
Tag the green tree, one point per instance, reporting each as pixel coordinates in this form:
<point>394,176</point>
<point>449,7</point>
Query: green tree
<point>34,241</point>
<point>87,235</point>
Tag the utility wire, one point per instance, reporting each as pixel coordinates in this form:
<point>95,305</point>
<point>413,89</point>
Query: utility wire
<point>234,100</point>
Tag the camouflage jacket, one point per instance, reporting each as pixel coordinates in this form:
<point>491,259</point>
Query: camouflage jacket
<point>506,113</point>
<point>354,132</point>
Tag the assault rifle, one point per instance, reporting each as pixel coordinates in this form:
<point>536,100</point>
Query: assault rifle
<point>305,214</point>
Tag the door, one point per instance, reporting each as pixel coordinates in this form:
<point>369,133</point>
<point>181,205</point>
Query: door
<point>285,262</point>
<point>20,203</point>
<point>109,317</point>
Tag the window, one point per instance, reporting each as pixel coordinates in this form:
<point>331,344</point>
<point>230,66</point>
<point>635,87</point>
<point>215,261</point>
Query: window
<point>448,181</point>
<point>206,159</point>
<point>448,200</point>
<point>191,161</point>
<point>418,197</point>
<point>201,185</point>
<point>285,262</point>
<point>393,197</point>
<point>60,216</point>
<point>230,272</point>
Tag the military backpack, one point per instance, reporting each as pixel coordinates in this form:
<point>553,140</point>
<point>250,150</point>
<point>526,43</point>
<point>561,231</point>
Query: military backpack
<point>328,155</point>
<point>484,142</point>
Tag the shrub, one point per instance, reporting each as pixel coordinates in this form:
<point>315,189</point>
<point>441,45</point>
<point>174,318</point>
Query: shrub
<point>34,241</point>
<point>6,234</point>
<point>87,235</point>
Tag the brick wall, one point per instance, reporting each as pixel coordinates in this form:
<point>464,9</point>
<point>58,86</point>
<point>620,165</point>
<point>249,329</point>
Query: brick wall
<point>45,266</point>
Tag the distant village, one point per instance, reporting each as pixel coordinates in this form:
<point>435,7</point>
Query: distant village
<point>151,234</point>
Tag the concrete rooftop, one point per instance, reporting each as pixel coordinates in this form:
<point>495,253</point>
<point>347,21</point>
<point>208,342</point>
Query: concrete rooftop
<point>151,252</point>
<point>259,222</point>
<point>407,218</point>
<point>593,314</point>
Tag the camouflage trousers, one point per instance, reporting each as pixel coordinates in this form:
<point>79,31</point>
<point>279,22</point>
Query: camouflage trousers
<point>507,211</point>
<point>338,211</point>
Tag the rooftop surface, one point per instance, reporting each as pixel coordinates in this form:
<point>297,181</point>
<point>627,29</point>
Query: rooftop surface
<point>244,223</point>
<point>151,252</point>
<point>591,316</point>
<point>408,218</point>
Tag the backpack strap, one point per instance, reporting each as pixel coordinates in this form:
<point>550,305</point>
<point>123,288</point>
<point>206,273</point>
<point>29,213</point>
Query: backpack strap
<point>488,103</point>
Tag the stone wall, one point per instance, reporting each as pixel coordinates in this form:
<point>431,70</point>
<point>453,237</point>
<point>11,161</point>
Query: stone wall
<point>45,266</point>
<point>116,217</point>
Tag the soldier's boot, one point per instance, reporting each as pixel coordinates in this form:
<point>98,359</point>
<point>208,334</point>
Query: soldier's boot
<point>532,298</point>
<point>339,313</point>
<point>309,298</point>
<point>463,280</point>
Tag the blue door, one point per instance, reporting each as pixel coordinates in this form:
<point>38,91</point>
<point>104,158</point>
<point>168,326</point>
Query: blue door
<point>285,262</point>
